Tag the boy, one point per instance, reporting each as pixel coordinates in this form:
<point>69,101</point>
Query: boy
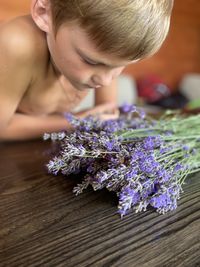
<point>51,58</point>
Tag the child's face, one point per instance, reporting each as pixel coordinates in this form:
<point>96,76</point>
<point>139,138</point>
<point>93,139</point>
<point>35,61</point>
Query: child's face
<point>75,56</point>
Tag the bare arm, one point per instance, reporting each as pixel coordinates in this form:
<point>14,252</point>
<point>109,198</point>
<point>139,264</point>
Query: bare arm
<point>108,95</point>
<point>24,127</point>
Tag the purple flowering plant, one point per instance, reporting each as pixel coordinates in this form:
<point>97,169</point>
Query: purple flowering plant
<point>145,161</point>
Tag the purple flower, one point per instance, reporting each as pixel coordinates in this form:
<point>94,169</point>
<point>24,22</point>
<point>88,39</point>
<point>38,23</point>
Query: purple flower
<point>127,198</point>
<point>164,202</point>
<point>110,145</point>
<point>128,157</point>
<point>178,167</point>
<point>128,108</point>
<point>152,142</point>
<point>185,147</point>
<point>132,173</point>
<point>163,175</point>
<point>101,176</point>
<point>166,198</point>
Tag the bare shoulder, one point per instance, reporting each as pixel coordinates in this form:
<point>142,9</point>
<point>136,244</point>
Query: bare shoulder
<point>22,56</point>
<point>22,40</point>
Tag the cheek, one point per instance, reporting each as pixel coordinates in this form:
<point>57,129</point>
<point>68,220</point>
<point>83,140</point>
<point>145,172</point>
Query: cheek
<point>68,63</point>
<point>75,70</point>
<point>69,66</point>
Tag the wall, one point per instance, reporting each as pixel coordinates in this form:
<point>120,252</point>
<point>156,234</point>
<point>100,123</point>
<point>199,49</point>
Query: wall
<point>180,53</point>
<point>12,8</point>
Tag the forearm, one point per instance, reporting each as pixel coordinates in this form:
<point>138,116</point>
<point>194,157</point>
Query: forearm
<point>26,127</point>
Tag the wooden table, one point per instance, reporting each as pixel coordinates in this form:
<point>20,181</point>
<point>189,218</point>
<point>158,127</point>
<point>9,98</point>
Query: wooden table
<point>42,223</point>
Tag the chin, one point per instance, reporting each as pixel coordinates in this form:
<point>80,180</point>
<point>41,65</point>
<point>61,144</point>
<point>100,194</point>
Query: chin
<point>81,88</point>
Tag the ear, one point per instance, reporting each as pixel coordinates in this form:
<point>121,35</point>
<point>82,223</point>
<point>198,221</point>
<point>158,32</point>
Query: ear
<point>41,14</point>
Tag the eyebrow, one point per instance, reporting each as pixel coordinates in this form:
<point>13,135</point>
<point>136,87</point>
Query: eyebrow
<point>82,54</point>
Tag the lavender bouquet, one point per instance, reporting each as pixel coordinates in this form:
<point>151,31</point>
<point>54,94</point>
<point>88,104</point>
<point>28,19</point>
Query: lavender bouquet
<point>144,160</point>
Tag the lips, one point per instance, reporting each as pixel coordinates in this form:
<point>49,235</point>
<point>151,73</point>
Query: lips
<point>88,86</point>
<point>93,86</point>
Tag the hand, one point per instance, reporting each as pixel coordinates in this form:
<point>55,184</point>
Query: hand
<point>106,111</point>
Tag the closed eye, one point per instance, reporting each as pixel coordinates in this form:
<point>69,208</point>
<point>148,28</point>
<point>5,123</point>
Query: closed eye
<point>90,62</point>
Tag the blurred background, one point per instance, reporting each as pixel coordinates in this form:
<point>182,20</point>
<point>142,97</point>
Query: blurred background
<point>169,78</point>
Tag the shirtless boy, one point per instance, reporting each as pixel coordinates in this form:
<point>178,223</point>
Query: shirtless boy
<point>50,59</point>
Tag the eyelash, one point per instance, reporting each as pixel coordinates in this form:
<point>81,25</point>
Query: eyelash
<point>89,62</point>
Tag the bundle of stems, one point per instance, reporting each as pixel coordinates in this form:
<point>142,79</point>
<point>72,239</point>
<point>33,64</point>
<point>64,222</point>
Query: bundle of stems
<point>144,160</point>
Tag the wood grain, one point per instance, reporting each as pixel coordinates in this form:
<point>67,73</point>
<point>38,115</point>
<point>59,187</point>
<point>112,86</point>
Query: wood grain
<point>44,224</point>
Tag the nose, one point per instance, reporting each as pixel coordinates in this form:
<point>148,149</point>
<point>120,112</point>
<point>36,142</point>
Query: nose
<point>102,79</point>
<point>105,78</point>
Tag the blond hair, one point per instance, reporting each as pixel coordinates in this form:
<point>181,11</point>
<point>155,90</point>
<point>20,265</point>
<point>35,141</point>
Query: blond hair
<point>130,29</point>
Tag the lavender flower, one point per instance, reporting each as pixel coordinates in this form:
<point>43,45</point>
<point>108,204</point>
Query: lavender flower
<point>144,161</point>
